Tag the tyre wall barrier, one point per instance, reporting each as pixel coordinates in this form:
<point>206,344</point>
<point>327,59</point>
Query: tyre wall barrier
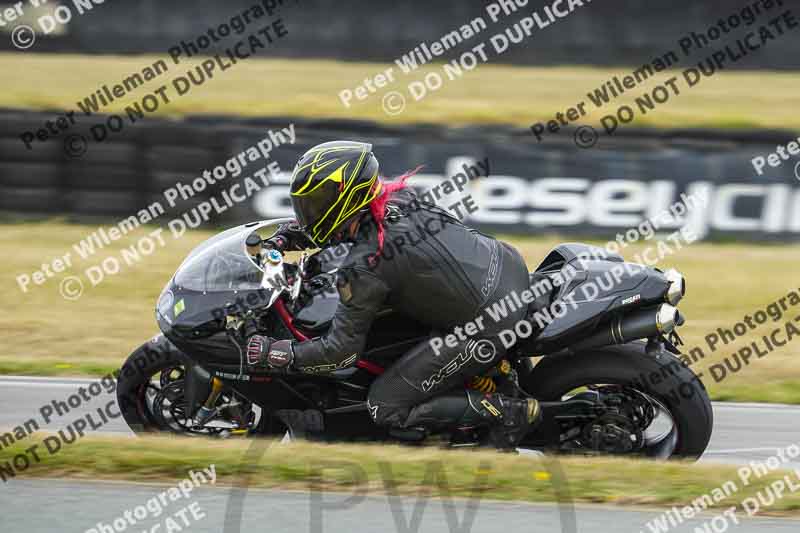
<point>531,187</point>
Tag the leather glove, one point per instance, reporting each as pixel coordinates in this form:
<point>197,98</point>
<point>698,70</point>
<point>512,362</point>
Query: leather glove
<point>266,352</point>
<point>289,237</point>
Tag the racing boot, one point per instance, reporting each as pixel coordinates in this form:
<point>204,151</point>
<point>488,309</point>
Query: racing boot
<point>517,417</point>
<point>508,419</point>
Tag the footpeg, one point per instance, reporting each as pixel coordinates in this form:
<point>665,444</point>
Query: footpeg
<point>520,417</point>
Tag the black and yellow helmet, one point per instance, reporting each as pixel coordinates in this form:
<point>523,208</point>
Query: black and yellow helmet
<point>331,183</point>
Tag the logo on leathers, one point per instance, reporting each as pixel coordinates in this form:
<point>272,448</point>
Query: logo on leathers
<point>452,367</point>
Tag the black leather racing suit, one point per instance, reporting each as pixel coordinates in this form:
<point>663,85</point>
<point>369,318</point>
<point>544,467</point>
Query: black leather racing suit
<point>443,274</point>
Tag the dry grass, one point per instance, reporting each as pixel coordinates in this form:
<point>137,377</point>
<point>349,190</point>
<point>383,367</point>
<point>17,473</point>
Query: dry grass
<point>488,94</point>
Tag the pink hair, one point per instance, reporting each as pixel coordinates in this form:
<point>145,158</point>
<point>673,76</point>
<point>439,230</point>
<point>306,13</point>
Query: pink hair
<point>378,206</point>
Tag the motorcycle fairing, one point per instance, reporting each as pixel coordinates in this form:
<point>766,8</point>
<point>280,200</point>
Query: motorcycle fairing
<point>600,284</point>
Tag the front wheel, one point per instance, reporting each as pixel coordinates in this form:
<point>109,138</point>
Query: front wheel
<point>652,390</point>
<point>151,397</point>
<point>148,386</point>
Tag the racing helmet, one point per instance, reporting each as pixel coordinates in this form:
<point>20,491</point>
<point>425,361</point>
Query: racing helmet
<point>332,183</point>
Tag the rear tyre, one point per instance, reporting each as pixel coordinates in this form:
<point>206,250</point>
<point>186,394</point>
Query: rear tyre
<point>661,376</point>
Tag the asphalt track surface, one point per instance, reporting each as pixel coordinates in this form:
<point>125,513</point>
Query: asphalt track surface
<point>742,433</point>
<point>44,506</point>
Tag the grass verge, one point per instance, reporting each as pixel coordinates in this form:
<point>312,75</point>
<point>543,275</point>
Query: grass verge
<point>375,469</point>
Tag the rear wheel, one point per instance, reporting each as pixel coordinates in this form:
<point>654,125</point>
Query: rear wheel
<point>660,408</point>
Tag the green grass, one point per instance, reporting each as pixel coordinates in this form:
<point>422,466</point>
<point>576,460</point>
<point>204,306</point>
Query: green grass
<point>44,334</point>
<point>414,471</point>
<point>490,94</point>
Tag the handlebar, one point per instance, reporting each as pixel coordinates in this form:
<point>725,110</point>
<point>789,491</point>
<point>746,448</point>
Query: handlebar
<point>250,328</point>
<point>276,242</point>
<point>288,236</point>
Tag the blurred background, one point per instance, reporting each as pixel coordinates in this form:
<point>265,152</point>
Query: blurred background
<point>106,106</point>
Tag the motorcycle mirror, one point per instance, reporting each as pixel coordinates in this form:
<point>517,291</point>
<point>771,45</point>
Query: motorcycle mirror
<point>253,244</point>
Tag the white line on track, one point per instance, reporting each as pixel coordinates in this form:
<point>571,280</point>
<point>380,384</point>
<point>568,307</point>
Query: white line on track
<point>743,450</point>
<point>62,382</point>
<point>33,381</point>
<point>41,378</point>
<point>51,385</point>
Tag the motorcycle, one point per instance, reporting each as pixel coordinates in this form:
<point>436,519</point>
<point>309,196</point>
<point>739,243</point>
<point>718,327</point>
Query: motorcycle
<point>607,373</point>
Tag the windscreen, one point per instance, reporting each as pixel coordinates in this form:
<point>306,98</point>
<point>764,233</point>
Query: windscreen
<point>222,263</point>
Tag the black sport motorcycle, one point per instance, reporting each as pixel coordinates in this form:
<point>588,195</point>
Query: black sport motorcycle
<point>606,370</point>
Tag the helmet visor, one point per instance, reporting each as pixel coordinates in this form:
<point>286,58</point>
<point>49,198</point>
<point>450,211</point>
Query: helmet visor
<point>309,212</point>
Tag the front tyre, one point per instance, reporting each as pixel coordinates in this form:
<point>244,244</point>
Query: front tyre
<point>135,385</point>
<point>151,398</point>
<point>662,377</point>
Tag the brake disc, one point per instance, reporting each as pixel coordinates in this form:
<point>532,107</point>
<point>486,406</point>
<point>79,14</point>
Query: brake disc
<point>612,433</point>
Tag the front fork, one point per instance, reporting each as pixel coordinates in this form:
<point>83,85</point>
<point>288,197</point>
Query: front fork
<point>207,411</point>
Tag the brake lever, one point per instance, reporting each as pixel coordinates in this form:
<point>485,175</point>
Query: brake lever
<point>250,327</point>
<point>298,282</point>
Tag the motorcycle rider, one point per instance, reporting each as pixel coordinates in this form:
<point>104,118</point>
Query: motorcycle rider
<point>441,273</point>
